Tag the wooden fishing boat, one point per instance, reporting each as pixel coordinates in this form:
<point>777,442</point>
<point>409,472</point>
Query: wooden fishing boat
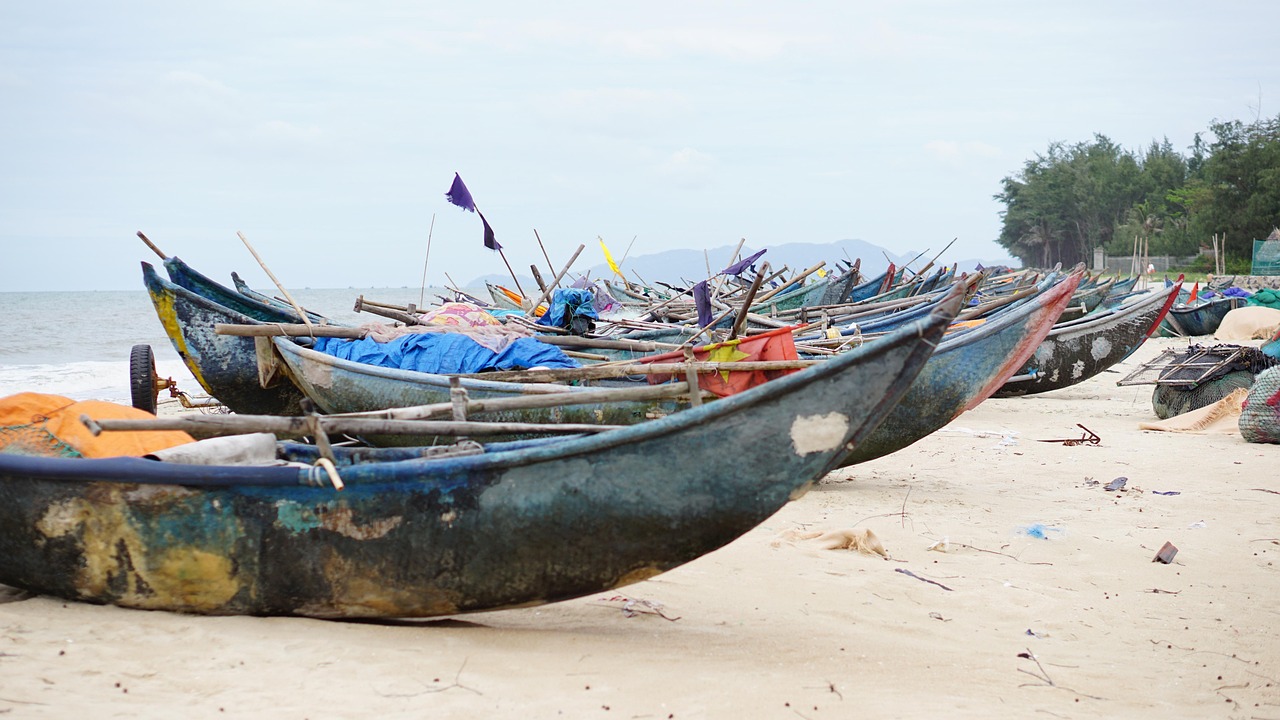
<point>414,534</point>
<point>966,369</point>
<point>1076,351</point>
<point>1199,318</point>
<point>225,366</point>
<point>337,385</point>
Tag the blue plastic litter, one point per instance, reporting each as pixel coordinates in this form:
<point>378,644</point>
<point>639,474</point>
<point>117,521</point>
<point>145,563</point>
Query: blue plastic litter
<point>1040,531</point>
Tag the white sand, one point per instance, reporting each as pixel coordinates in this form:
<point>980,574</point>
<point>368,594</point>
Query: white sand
<point>768,628</point>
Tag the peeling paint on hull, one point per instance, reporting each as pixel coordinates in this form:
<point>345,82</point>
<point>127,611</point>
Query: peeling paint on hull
<point>416,537</point>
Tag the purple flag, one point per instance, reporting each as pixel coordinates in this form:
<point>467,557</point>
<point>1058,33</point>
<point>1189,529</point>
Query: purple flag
<point>459,194</point>
<point>489,240</point>
<point>734,269</point>
<point>702,299</point>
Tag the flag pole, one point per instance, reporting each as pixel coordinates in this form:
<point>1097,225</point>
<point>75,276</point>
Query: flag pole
<point>503,256</point>
<point>423,291</point>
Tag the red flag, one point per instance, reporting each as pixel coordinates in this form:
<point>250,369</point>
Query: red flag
<point>776,344</point>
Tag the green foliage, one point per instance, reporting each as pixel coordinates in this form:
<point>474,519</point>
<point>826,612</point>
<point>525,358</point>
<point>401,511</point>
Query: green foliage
<point>1074,198</point>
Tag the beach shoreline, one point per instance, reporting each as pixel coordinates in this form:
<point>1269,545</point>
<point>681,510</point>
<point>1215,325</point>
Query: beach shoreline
<point>1039,597</point>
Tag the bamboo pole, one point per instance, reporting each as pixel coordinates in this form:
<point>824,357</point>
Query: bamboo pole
<point>423,290</point>
<point>741,320</point>
<point>212,425</point>
<point>599,372</point>
<point>545,295</point>
<point>152,245</point>
<point>301,313</point>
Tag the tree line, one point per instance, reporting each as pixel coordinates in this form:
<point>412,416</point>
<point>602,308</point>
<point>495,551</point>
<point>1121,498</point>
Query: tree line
<point>1073,198</point>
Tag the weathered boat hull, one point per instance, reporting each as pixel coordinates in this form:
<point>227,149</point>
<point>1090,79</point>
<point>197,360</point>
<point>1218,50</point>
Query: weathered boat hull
<point>224,365</point>
<point>1199,320</point>
<point>515,526</point>
<point>965,370</point>
<point>1076,351</point>
<point>342,386</point>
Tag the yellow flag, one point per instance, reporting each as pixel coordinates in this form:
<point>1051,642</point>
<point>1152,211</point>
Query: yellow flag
<point>609,258</point>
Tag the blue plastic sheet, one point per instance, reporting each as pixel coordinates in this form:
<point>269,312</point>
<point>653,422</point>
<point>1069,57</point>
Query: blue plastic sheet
<point>568,303</point>
<point>446,353</point>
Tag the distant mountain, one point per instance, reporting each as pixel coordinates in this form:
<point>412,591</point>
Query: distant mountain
<point>675,266</point>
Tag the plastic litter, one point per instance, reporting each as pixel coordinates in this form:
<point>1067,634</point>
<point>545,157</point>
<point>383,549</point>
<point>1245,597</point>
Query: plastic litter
<point>1117,484</point>
<point>1040,531</point>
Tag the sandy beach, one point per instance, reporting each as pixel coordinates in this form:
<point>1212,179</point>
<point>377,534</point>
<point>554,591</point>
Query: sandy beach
<point>1038,599</point>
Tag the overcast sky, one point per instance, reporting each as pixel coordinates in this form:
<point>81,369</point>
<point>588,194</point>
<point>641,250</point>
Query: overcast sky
<point>328,132</point>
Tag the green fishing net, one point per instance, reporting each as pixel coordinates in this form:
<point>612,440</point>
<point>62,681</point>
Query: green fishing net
<point>33,439</point>
<point>1172,400</point>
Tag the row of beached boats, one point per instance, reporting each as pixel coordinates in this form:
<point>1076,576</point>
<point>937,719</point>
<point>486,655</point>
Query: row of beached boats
<point>587,479</point>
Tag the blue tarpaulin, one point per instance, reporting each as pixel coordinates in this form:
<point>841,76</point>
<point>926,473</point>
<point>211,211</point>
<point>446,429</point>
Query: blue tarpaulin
<point>446,353</point>
<point>568,303</point>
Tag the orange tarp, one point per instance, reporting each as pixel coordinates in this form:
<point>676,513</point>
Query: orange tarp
<point>60,417</point>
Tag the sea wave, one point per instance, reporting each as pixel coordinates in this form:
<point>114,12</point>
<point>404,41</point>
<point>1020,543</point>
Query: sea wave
<point>90,380</point>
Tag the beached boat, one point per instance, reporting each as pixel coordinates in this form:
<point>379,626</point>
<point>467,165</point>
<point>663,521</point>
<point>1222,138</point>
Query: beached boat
<point>412,535</point>
<point>225,366</point>
<point>337,385</point>
<point>966,369</point>
<point>1076,351</point>
<point>1199,318</point>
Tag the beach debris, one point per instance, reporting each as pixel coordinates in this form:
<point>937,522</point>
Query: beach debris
<point>1165,492</point>
<point>1166,553</point>
<point>1089,438</point>
<point>1040,531</point>
<point>942,545</point>
<point>908,573</point>
<point>1044,678</point>
<point>1117,484</point>
<point>1035,634</point>
<point>1197,525</point>
<point>862,540</point>
<point>938,616</point>
<point>632,607</point>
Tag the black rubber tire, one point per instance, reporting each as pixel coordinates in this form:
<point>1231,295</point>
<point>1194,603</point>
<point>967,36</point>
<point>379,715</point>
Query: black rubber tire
<point>142,378</point>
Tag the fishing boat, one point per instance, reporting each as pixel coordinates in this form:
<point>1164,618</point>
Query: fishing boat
<point>1080,349</point>
<point>966,369</point>
<point>225,366</point>
<point>1201,317</point>
<point>337,385</point>
<point>425,532</point>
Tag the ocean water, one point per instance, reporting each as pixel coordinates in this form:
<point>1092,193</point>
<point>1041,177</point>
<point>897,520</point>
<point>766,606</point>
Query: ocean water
<point>77,344</point>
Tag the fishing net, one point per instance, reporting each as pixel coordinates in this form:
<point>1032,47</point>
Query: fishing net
<point>1260,418</point>
<point>1171,400</point>
<point>1201,376</point>
<point>33,439</point>
<point>50,425</point>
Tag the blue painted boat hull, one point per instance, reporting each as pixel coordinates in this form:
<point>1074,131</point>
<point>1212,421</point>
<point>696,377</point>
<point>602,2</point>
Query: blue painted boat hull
<point>514,526</point>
